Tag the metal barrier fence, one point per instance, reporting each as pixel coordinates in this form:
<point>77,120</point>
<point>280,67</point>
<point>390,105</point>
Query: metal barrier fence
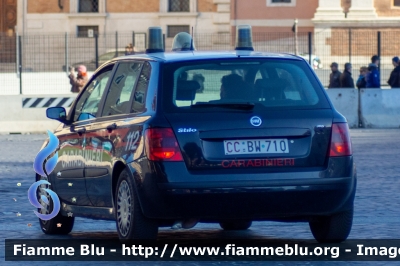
<point>38,64</point>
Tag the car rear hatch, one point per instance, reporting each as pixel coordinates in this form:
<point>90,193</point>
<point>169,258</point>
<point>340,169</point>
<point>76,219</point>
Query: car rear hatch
<point>284,141</point>
<point>256,114</point>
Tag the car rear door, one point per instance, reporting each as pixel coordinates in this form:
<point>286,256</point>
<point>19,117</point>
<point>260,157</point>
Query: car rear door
<point>118,130</point>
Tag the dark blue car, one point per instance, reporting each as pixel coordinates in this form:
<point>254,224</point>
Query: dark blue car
<point>183,137</point>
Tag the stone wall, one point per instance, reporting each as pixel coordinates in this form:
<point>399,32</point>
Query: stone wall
<point>123,6</point>
<point>45,6</point>
<point>385,8</point>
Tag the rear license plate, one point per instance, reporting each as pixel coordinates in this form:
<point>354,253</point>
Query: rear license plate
<point>256,146</point>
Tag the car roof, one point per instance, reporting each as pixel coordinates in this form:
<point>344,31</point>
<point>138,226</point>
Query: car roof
<point>202,55</point>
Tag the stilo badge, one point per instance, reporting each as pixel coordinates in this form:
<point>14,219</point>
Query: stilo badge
<point>256,121</point>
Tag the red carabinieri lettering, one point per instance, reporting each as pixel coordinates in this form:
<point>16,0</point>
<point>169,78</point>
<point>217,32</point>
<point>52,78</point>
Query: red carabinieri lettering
<point>279,162</point>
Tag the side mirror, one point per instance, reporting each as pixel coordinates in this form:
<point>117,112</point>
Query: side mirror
<point>57,113</point>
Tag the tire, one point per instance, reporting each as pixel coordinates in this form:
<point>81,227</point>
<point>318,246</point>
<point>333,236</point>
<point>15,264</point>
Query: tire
<point>59,225</point>
<point>235,225</point>
<point>50,227</point>
<point>131,223</point>
<point>332,229</point>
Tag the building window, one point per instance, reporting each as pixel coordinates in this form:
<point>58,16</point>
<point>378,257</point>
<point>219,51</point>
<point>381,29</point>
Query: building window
<point>173,30</point>
<point>87,31</point>
<point>281,3</point>
<point>179,6</point>
<point>88,6</point>
<point>396,3</point>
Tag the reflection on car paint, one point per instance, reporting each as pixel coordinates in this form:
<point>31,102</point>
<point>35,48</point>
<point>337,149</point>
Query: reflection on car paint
<point>75,158</point>
<point>107,146</point>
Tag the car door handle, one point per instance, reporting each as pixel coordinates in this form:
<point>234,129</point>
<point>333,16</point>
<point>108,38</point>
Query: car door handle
<point>111,127</point>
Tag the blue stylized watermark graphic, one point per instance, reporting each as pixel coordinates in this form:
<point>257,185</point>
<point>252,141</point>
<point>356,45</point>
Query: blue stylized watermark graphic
<point>34,201</point>
<point>44,153</point>
<point>43,166</point>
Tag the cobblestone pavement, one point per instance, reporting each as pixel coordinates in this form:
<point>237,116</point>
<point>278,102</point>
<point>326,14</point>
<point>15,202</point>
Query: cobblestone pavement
<point>377,205</point>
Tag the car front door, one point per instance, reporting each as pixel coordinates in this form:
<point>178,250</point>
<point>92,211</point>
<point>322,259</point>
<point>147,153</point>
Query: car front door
<point>69,172</point>
<point>118,129</point>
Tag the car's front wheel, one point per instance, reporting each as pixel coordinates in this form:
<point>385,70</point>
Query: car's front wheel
<point>332,229</point>
<point>131,223</point>
<point>59,225</point>
<point>235,225</point>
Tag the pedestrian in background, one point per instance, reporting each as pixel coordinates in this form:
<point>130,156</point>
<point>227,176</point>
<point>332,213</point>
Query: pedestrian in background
<point>361,82</point>
<point>129,50</point>
<point>346,80</point>
<point>334,78</point>
<point>395,75</point>
<point>374,77</point>
<point>79,80</point>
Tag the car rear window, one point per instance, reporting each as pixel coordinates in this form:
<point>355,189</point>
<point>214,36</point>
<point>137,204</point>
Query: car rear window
<point>269,83</point>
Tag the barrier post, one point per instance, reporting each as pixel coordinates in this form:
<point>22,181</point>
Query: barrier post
<point>163,36</point>
<point>296,37</point>
<point>350,46</point>
<point>133,41</point>
<point>379,49</point>
<point>96,49</point>
<point>20,63</point>
<point>145,40</point>
<point>116,44</point>
<point>66,54</point>
<point>17,55</point>
<point>310,48</point>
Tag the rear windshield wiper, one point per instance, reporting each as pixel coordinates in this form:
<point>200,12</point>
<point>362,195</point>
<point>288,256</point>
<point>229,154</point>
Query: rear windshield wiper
<point>232,105</point>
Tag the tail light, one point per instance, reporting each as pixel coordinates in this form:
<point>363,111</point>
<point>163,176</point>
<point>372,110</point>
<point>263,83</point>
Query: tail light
<point>340,140</point>
<point>162,145</point>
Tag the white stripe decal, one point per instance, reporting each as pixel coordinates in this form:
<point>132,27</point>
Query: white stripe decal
<point>55,102</point>
<point>30,102</point>
<point>42,102</point>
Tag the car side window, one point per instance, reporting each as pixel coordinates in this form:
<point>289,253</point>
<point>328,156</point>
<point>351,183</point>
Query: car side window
<point>88,104</point>
<point>139,97</point>
<point>121,88</point>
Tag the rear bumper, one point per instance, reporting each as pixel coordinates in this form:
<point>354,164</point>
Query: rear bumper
<point>292,196</point>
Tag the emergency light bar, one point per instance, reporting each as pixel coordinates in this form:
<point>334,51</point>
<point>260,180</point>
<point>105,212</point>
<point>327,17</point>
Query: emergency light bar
<point>155,43</point>
<point>183,41</point>
<point>244,38</point>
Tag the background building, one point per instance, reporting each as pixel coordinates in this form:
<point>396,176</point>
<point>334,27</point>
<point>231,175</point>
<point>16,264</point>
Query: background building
<point>8,16</point>
<point>51,16</point>
<point>59,33</point>
<point>216,16</point>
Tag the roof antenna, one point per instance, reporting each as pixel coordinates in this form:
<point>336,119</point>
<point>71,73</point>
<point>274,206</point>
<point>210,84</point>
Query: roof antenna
<point>191,42</point>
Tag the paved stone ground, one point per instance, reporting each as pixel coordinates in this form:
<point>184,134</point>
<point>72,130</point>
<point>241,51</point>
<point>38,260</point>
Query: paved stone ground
<point>377,154</point>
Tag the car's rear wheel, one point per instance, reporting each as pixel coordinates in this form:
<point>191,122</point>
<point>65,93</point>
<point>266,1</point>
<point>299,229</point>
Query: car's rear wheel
<point>235,225</point>
<point>59,225</point>
<point>332,229</point>
<point>131,223</point>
